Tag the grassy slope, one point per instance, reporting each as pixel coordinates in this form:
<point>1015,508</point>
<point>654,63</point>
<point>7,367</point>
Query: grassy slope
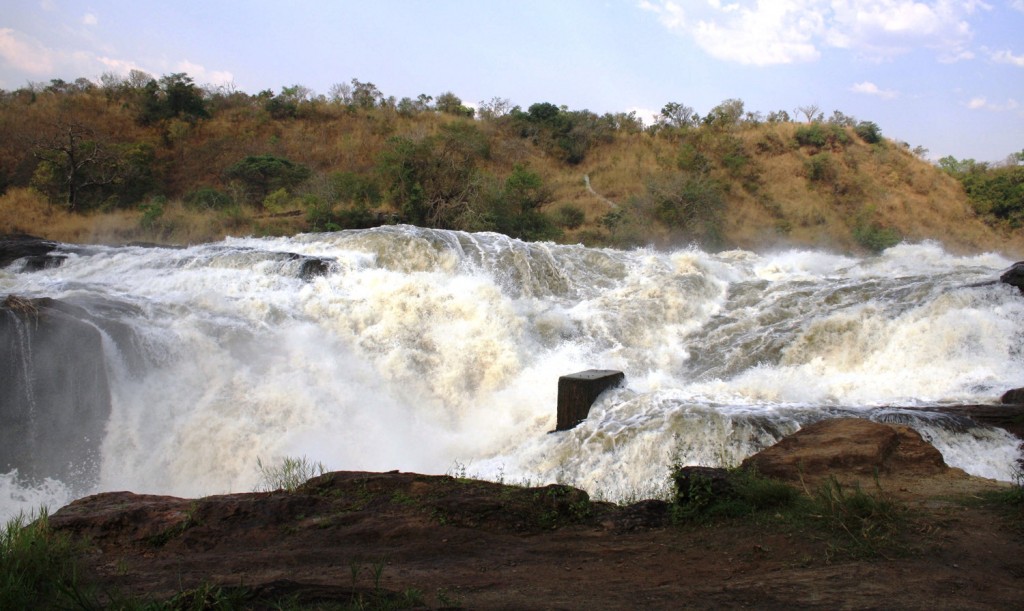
<point>770,202</point>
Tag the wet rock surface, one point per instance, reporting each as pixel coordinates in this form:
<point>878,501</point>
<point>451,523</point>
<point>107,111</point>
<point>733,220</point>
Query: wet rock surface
<point>482,545</point>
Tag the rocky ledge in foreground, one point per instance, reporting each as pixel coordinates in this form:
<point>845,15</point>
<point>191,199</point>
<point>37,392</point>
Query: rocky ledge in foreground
<point>483,545</point>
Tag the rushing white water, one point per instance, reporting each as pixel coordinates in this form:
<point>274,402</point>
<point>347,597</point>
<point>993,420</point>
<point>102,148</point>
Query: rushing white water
<point>420,349</point>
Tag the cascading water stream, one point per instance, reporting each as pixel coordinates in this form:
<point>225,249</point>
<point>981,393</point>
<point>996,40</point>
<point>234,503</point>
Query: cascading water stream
<point>418,348</point>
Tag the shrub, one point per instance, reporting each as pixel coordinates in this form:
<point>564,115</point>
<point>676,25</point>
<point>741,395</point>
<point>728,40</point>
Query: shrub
<point>869,132</point>
<point>570,216</point>
<point>152,212</point>
<point>875,237</point>
<point>288,474</point>
<point>690,204</point>
<point>819,135</point>
<point>264,174</point>
<point>702,493</point>
<point>37,566</point>
<point>207,198</point>
<point>820,168</point>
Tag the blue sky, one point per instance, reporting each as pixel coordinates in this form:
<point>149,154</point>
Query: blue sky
<point>945,75</point>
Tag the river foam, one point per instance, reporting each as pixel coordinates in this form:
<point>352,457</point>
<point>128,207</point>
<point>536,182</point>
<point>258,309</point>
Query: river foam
<point>420,349</point>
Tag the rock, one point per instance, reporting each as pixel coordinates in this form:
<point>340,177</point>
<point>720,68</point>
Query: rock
<point>1014,276</point>
<point>578,391</point>
<point>55,398</point>
<point>848,446</point>
<point>312,267</point>
<point>1013,397</point>
<point>35,250</point>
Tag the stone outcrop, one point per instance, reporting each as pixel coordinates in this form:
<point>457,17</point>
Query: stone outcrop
<point>33,251</point>
<point>55,398</point>
<point>347,536</point>
<point>1014,276</point>
<point>849,446</point>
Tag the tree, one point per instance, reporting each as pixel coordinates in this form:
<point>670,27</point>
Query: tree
<point>340,93</point>
<point>434,180</point>
<point>72,161</point>
<point>451,104</point>
<point>365,95</point>
<point>812,112</point>
<point>725,115</point>
<point>78,166</point>
<point>677,115</point>
<point>495,108</point>
<point>869,132</point>
<point>264,174</point>
<point>175,95</point>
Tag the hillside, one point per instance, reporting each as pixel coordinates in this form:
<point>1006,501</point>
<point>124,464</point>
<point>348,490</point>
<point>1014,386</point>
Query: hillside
<point>165,161</point>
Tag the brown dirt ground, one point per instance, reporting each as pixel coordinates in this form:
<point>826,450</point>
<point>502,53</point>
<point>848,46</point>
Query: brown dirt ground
<point>481,545</point>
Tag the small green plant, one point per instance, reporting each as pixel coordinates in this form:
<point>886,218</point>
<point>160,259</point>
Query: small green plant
<point>875,237</point>
<point>735,493</point>
<point>820,168</point>
<point>867,523</point>
<point>207,198</point>
<point>152,211</point>
<point>288,474</point>
<point>38,567</point>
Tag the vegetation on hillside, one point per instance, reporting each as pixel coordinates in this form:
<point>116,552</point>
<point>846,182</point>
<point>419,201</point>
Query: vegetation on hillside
<point>164,159</point>
<point>996,191</point>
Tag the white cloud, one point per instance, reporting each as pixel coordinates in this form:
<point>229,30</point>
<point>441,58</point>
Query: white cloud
<point>669,13</point>
<point>1018,4</point>
<point>648,116</point>
<point>869,88</point>
<point>200,74</point>
<point>762,32</point>
<point>24,53</point>
<point>89,19</point>
<point>1006,57</point>
<point>119,66</point>
<point>982,103</point>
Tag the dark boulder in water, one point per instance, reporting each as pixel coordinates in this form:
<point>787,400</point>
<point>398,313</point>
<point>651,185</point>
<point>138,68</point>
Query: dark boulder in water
<point>34,251</point>
<point>55,397</point>
<point>1013,397</point>
<point>1014,276</point>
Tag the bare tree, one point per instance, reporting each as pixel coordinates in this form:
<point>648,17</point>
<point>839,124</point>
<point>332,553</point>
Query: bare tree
<point>811,111</point>
<point>77,160</point>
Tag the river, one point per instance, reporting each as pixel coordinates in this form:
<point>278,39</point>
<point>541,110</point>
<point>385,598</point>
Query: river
<point>437,351</point>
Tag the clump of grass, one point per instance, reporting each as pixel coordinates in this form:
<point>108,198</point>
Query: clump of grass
<point>708,494</point>
<point>857,522</point>
<point>38,567</point>
<point>288,474</point>
<point>868,524</point>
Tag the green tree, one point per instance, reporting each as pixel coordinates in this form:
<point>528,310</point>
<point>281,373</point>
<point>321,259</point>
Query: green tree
<point>869,132</point>
<point>451,104</point>
<point>175,95</point>
<point>726,115</point>
<point>690,204</point>
<point>434,180</point>
<point>677,115</point>
<point>263,174</point>
<point>81,168</point>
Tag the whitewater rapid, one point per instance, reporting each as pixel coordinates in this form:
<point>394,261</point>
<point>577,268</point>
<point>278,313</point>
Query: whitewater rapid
<point>427,350</point>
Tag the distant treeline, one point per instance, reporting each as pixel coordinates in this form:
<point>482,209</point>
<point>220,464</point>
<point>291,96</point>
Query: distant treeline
<point>356,158</point>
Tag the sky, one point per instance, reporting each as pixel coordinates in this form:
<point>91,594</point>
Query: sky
<point>940,74</point>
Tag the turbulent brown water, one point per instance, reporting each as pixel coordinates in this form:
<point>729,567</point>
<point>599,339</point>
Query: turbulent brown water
<point>426,350</point>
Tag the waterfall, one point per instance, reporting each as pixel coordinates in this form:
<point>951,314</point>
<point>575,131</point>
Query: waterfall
<point>416,349</point>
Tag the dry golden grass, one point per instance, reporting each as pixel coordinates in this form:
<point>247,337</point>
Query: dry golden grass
<point>769,203</point>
